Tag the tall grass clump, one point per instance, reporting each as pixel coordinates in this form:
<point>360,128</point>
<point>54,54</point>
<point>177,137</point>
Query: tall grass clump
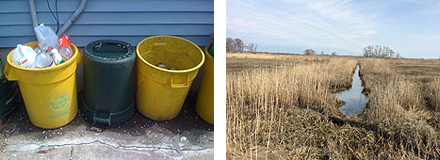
<point>288,111</point>
<point>396,113</point>
<point>432,93</point>
<point>372,71</point>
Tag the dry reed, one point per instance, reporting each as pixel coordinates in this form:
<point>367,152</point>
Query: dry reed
<point>288,111</point>
<point>282,108</point>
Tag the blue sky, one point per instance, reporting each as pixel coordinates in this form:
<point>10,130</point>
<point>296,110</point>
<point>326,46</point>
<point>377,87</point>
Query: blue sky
<point>410,27</point>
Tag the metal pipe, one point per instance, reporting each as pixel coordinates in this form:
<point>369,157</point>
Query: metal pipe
<point>33,13</point>
<point>75,15</point>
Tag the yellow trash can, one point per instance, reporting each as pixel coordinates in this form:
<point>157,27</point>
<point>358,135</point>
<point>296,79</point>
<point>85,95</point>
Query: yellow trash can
<point>205,97</point>
<point>161,92</point>
<point>49,93</point>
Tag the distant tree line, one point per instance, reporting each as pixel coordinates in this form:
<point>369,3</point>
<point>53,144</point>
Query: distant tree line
<point>312,52</point>
<point>309,52</point>
<point>237,45</point>
<point>369,51</point>
<point>380,51</point>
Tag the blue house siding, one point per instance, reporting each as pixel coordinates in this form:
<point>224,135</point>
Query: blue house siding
<point>127,20</point>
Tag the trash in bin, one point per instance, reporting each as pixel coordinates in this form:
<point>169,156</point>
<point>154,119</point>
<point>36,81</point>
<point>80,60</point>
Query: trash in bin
<point>48,42</point>
<point>205,97</point>
<point>46,37</point>
<point>65,49</point>
<point>49,51</point>
<point>161,65</point>
<point>43,60</point>
<point>108,97</point>
<point>55,54</point>
<point>161,92</point>
<point>49,94</point>
<point>24,56</point>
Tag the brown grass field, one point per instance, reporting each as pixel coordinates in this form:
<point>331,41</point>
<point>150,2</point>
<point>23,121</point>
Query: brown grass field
<point>282,107</point>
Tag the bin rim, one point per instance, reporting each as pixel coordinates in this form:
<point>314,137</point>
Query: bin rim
<point>90,53</point>
<point>65,64</point>
<point>167,70</point>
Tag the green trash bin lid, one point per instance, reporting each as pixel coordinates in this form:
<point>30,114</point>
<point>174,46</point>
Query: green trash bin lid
<point>109,50</point>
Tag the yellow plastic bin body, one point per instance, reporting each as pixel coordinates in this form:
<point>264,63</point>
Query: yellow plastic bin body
<point>161,92</point>
<point>49,93</point>
<point>205,97</point>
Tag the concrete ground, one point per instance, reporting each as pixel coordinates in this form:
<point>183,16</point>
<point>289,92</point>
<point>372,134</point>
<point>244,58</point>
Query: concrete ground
<point>185,137</point>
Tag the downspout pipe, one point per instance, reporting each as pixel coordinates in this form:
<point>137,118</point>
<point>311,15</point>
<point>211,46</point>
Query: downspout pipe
<point>75,15</point>
<point>33,13</point>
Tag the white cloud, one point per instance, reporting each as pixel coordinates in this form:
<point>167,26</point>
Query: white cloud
<point>295,29</point>
<point>344,26</point>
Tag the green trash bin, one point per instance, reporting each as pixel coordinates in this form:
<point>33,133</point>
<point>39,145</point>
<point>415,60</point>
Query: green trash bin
<point>7,90</point>
<point>108,98</point>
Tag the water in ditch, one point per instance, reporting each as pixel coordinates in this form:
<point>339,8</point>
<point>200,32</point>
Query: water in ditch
<point>355,101</point>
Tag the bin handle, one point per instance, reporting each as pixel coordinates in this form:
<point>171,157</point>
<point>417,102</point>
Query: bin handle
<point>9,73</point>
<point>104,121</point>
<point>186,80</point>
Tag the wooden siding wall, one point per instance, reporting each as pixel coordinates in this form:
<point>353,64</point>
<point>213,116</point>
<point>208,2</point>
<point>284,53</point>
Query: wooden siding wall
<point>127,20</point>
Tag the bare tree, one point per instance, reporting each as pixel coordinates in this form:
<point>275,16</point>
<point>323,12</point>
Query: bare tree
<point>398,55</point>
<point>252,47</point>
<point>333,53</point>
<point>255,47</point>
<point>239,45</point>
<point>368,51</point>
<point>378,51</point>
<point>230,44</point>
<point>322,52</point>
<point>309,52</point>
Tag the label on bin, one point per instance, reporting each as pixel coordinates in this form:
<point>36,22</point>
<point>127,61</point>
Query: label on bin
<point>58,104</point>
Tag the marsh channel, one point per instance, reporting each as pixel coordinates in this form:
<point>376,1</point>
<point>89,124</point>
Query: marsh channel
<point>355,101</point>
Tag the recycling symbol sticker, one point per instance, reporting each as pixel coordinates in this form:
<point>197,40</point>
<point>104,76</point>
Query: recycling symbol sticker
<point>58,104</point>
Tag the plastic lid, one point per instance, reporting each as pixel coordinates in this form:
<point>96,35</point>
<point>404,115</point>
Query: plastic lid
<point>109,49</point>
